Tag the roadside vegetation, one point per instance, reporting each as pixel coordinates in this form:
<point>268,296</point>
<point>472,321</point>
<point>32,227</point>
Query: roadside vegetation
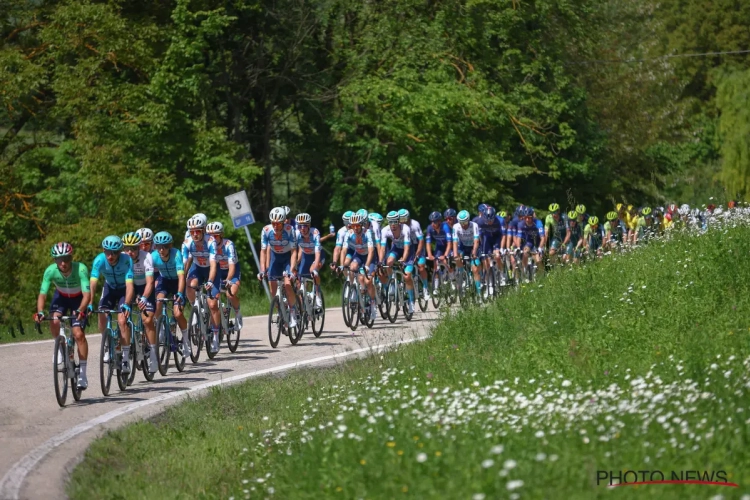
<point>639,362</point>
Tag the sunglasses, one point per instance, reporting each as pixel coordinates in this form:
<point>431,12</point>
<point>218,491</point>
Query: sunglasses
<point>131,248</point>
<point>197,232</point>
<point>110,253</point>
<point>66,259</point>
<point>161,247</point>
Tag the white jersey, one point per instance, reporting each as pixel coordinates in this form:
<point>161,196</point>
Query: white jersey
<point>142,267</point>
<point>341,235</point>
<point>401,241</point>
<point>415,230</point>
<point>466,237</point>
<point>375,228</point>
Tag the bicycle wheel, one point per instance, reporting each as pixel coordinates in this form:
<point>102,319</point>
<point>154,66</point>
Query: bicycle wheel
<point>296,333</point>
<point>233,335</point>
<point>344,302</point>
<point>353,306</point>
<point>404,301</point>
<point>162,346</point>
<point>392,299</point>
<point>319,318</point>
<point>420,290</point>
<point>106,370</point>
<point>146,350</point>
<point>59,370</point>
<point>380,290</point>
<point>368,319</point>
<point>122,378</point>
<point>274,322</point>
<point>461,286</point>
<point>195,334</point>
<point>437,288</point>
<point>179,355</point>
<point>74,371</point>
<point>133,355</point>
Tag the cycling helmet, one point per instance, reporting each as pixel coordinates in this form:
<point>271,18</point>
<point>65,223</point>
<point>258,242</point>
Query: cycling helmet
<point>286,210</point>
<point>215,228</point>
<point>303,218</point>
<point>347,216</point>
<point>61,249</point>
<point>277,215</point>
<point>593,220</point>
<point>695,212</point>
<point>375,217</point>
<point>611,215</point>
<point>356,219</point>
<point>463,216</point>
<point>196,222</point>
<point>392,217</point>
<point>630,208</point>
<point>646,211</point>
<point>527,212</point>
<point>436,216</point>
<point>490,212</point>
<point>146,234</point>
<point>131,239</point>
<point>619,207</point>
<point>503,214</point>
<point>403,215</point>
<point>363,213</point>
<point>671,208</point>
<point>581,209</point>
<point>112,243</point>
<point>449,212</point>
<point>162,238</point>
<point>573,215</point>
<point>554,207</point>
<point>481,208</point>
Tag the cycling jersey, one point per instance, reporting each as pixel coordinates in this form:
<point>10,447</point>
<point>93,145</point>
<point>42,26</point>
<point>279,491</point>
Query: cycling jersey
<point>465,237</point>
<point>415,232</point>
<point>512,228</point>
<point>575,233</point>
<point>442,236</point>
<point>375,228</point>
<point>279,243</point>
<point>403,240</point>
<point>556,228</point>
<point>142,268</point>
<point>223,253</point>
<point>199,251</point>
<point>340,235</point>
<point>594,236</point>
<point>310,245</point>
<point>114,276</point>
<point>358,243</point>
<point>531,234</point>
<point>73,285</point>
<point>170,269</point>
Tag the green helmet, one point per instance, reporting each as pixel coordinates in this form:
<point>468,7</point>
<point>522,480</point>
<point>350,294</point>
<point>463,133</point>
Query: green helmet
<point>611,215</point>
<point>554,207</point>
<point>572,215</point>
<point>581,209</point>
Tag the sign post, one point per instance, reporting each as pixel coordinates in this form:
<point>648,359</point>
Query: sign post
<point>242,216</point>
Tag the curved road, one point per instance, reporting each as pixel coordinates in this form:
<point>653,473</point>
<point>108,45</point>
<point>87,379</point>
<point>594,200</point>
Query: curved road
<point>41,442</point>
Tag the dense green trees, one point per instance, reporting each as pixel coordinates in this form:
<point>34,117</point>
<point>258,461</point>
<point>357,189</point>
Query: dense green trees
<point>128,112</point>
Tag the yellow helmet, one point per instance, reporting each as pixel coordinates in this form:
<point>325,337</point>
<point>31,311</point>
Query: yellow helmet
<point>593,220</point>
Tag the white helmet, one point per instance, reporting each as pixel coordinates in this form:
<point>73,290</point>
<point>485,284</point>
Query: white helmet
<point>356,219</point>
<point>146,234</point>
<point>303,218</point>
<point>215,228</point>
<point>197,221</point>
<point>286,210</point>
<point>277,215</point>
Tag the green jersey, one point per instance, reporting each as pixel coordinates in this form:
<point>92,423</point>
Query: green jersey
<point>72,285</point>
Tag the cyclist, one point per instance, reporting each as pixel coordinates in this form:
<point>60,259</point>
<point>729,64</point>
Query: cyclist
<point>340,236</point>
<point>615,230</point>
<point>224,269</point>
<point>593,236</point>
<point>171,282</point>
<point>450,217</point>
<point>491,236</point>
<point>143,281</point>
<point>187,238</point>
<point>512,240</point>
<point>147,239</point>
<point>310,255</point>
<point>279,258</point>
<point>644,226</point>
<point>358,253</point>
<point>439,232</point>
<point>466,243</point>
<point>399,250</point>
<point>556,226</point>
<point>532,238</point>
<point>118,290</point>
<point>417,241</point>
<point>573,239</point>
<point>72,296</point>
<point>583,217</point>
<point>196,255</point>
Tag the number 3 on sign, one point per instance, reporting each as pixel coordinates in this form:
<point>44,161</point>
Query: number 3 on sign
<point>237,204</point>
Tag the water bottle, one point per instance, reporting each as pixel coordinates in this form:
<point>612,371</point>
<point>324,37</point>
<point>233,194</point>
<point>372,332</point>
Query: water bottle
<point>332,229</point>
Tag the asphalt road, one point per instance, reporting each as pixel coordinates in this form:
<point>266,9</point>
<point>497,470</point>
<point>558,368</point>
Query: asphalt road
<point>41,442</point>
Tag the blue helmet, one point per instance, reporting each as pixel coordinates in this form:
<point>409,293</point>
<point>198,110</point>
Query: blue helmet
<point>347,216</point>
<point>519,210</point>
<point>490,212</point>
<point>112,243</point>
<point>449,212</point>
<point>463,216</point>
<point>403,215</point>
<point>392,217</point>
<point>436,216</point>
<point>481,208</point>
<point>162,238</point>
<point>363,213</point>
<point>375,217</point>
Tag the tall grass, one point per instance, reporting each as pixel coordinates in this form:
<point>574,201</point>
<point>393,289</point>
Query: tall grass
<point>639,362</point>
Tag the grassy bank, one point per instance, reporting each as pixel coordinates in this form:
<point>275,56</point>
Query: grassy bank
<point>638,362</point>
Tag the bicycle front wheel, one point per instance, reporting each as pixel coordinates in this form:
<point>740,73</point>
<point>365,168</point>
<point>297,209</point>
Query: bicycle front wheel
<point>146,349</point>
<point>421,291</point>
<point>345,302</point>
<point>122,378</point>
<point>74,371</point>
<point>59,369</point>
<point>133,355</point>
<point>179,354</point>
<point>319,318</point>
<point>274,322</point>
<point>195,334</point>
<point>353,307</point>
<point>106,369</point>
<point>233,332</point>
<point>162,346</point>
<point>391,299</point>
<point>437,288</point>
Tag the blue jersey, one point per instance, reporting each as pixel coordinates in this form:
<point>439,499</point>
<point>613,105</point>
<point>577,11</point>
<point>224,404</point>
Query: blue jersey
<point>172,268</point>
<point>532,232</point>
<point>199,251</point>
<point>311,244</point>
<point>361,243</point>
<point>490,228</point>
<point>114,277</point>
<point>512,228</point>
<point>441,236</point>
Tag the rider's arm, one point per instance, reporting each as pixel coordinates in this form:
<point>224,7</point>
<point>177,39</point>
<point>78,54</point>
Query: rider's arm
<point>293,267</point>
<point>83,276</point>
<point>342,251</point>
<point>44,288</point>
<point>370,250</point>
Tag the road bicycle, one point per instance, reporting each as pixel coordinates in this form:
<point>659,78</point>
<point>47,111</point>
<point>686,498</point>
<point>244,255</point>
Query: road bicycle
<point>198,322</point>
<point>66,365</point>
<point>396,293</point>
<point>360,305</point>
<point>279,315</point>
<point>346,293</point>
<point>443,283</point>
<point>139,344</point>
<point>490,276</point>
<point>168,342</point>
<point>110,359</point>
<point>229,327</point>
<point>312,315</point>
<point>466,291</point>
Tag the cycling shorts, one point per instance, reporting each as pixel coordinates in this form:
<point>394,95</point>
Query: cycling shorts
<point>66,306</point>
<point>199,273</point>
<point>280,263</point>
<point>150,301</point>
<point>112,298</point>
<point>167,287</point>
<point>466,251</point>
<point>396,253</point>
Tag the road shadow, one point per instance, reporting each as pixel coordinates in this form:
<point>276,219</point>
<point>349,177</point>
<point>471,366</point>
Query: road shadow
<point>247,357</point>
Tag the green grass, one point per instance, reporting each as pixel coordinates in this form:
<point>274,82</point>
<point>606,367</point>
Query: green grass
<point>633,363</point>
